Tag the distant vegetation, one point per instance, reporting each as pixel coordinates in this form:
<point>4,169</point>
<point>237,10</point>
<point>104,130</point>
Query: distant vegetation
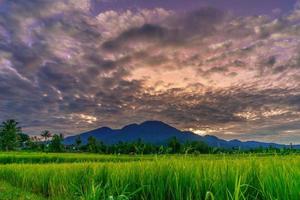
<point>12,138</point>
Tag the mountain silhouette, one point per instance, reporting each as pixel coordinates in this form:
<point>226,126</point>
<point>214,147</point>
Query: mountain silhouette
<point>157,132</point>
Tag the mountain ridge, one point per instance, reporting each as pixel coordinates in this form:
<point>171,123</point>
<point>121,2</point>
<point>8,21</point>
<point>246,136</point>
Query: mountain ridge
<point>158,132</point>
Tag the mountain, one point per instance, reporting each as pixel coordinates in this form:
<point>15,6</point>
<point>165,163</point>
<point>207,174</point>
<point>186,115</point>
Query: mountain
<point>157,132</point>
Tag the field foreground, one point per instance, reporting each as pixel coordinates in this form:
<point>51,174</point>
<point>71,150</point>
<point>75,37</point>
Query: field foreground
<point>91,177</point>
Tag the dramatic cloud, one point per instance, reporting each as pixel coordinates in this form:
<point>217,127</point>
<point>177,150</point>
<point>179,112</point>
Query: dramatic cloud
<point>67,68</point>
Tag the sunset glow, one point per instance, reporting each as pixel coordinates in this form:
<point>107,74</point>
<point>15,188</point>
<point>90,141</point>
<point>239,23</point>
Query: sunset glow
<point>230,70</point>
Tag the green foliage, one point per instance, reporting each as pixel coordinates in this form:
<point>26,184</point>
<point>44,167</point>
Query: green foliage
<point>56,143</point>
<point>227,174</point>
<point>46,135</point>
<point>23,138</point>
<point>174,145</point>
<point>9,131</point>
<point>7,192</point>
<point>12,138</point>
<point>92,145</point>
<point>174,177</point>
<point>42,158</point>
<point>196,147</point>
<point>78,142</point>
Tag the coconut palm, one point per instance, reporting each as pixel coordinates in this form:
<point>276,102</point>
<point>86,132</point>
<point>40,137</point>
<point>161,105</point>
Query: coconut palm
<point>9,131</point>
<point>46,135</point>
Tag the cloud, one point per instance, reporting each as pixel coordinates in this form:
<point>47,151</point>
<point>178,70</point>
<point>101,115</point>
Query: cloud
<point>65,69</point>
<point>146,33</point>
<point>173,31</point>
<point>113,23</point>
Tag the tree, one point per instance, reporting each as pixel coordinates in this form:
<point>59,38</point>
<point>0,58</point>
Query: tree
<point>92,144</point>
<point>34,143</point>
<point>174,145</point>
<point>78,142</point>
<point>46,135</point>
<point>9,131</point>
<point>61,136</point>
<point>196,147</point>
<point>23,139</point>
<point>56,143</point>
<point>95,146</point>
<point>139,147</point>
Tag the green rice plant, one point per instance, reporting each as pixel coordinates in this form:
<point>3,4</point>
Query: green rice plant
<point>204,177</point>
<point>33,157</point>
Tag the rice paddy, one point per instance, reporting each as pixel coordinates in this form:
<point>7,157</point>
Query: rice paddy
<point>91,177</point>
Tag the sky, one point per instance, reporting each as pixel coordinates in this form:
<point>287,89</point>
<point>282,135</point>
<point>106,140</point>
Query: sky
<point>225,68</point>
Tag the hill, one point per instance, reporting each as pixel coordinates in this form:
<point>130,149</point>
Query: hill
<point>157,132</point>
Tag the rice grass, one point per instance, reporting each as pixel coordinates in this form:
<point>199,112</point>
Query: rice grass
<point>207,177</point>
<point>8,192</point>
<point>38,157</point>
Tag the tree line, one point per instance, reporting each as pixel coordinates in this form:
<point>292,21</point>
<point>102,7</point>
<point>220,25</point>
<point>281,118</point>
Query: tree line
<point>12,138</point>
<point>173,146</point>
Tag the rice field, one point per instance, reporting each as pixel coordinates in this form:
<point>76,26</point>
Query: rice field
<point>168,177</point>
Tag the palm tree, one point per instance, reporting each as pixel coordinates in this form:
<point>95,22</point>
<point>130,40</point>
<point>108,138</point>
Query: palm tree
<point>9,131</point>
<point>35,139</point>
<point>46,135</point>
